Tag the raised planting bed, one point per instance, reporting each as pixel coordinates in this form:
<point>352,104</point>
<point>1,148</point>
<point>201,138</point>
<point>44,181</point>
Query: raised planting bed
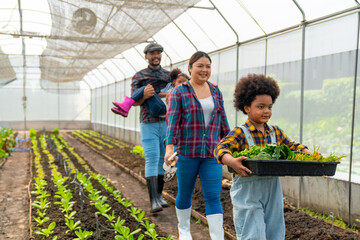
<point>298,224</point>
<point>69,200</point>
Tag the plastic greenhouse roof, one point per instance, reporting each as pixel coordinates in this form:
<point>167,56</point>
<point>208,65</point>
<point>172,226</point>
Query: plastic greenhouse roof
<point>101,41</point>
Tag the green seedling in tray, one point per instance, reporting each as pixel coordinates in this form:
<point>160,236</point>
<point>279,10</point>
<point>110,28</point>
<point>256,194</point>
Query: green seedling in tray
<point>282,152</point>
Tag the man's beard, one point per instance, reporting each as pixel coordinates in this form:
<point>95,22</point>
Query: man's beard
<point>154,64</point>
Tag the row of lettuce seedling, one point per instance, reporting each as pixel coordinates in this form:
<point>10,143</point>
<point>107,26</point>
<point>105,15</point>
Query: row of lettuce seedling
<point>99,201</point>
<point>101,140</point>
<point>104,209</point>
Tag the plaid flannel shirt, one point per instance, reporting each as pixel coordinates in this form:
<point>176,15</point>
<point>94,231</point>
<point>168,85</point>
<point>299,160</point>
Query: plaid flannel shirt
<point>186,123</point>
<point>235,141</point>
<point>158,78</point>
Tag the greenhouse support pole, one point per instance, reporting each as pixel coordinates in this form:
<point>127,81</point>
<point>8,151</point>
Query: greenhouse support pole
<point>237,48</point>
<point>135,112</point>
<point>353,114</point>
<point>91,93</point>
<point>107,97</point>
<point>101,101</point>
<point>95,104</point>
<point>123,80</point>
<point>109,89</point>
<point>303,23</point>
<point>24,99</point>
<point>58,93</point>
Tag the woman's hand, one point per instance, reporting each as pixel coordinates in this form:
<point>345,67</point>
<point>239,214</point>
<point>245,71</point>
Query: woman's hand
<point>236,164</point>
<point>169,152</point>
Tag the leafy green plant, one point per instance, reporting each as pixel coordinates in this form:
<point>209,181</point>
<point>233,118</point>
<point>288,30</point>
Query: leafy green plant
<point>55,130</point>
<point>47,231</point>
<point>109,217</point>
<point>40,221</point>
<point>42,204</point>
<point>102,208</point>
<point>118,223</point>
<point>71,225</point>
<point>126,235</point>
<point>82,235</point>
<point>32,132</point>
<point>138,150</point>
<point>41,214</point>
<point>70,215</point>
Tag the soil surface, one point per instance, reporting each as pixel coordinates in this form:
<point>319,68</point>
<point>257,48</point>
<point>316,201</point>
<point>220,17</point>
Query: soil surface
<point>133,189</point>
<point>299,225</point>
<point>14,201</point>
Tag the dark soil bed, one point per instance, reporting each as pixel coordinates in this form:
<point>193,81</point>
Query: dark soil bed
<point>87,216</point>
<point>299,225</point>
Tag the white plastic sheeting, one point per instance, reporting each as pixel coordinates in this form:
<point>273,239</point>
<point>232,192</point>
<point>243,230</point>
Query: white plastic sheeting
<point>86,33</point>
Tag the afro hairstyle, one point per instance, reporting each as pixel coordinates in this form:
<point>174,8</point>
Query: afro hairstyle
<point>252,85</point>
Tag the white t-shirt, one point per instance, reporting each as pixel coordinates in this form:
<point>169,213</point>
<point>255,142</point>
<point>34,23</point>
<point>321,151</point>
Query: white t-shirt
<point>208,106</point>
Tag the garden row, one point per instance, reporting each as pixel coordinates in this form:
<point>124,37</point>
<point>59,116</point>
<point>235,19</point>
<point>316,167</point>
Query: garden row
<point>298,222</point>
<point>71,201</point>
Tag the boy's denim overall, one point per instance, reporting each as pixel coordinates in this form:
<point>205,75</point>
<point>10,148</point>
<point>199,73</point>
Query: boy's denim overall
<point>258,204</point>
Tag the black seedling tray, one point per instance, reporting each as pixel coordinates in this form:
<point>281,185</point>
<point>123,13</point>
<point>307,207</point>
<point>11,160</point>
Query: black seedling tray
<point>262,167</point>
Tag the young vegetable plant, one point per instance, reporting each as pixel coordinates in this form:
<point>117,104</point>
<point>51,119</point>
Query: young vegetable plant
<point>82,235</point>
<point>40,221</point>
<point>42,204</point>
<point>126,235</point>
<point>118,223</point>
<point>71,225</point>
<point>109,217</point>
<point>47,231</point>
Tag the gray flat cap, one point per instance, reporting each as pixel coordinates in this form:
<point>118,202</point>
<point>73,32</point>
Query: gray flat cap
<point>153,47</point>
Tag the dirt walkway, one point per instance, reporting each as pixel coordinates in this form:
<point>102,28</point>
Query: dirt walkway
<point>135,191</point>
<point>14,202</point>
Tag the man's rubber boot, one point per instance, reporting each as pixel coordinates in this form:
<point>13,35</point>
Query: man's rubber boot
<point>119,111</point>
<point>126,104</point>
<point>216,230</point>
<point>183,216</point>
<point>151,183</point>
<point>160,186</point>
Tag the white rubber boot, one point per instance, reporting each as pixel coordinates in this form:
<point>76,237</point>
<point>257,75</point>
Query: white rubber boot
<point>216,230</point>
<point>183,216</point>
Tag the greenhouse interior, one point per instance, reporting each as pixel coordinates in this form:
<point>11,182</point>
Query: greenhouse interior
<point>63,63</point>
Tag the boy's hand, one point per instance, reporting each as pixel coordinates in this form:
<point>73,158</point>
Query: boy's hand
<point>236,164</point>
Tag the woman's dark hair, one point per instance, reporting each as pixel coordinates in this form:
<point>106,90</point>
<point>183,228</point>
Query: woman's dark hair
<point>249,87</point>
<point>196,56</point>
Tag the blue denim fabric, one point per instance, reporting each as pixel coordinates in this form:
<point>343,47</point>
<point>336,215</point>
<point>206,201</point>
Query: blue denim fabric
<point>210,173</point>
<point>258,208</point>
<point>154,105</point>
<point>152,137</point>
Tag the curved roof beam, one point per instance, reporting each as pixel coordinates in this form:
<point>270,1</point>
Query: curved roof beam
<point>176,26</point>
<point>300,9</point>
<point>250,15</point>
<point>237,36</point>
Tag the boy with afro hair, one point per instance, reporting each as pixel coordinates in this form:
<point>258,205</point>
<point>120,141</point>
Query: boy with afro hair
<point>257,200</point>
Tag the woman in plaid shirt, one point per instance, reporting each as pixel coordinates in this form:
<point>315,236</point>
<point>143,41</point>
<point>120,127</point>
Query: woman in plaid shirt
<point>196,121</point>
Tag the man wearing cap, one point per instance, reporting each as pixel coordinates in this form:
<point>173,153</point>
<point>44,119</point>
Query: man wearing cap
<point>152,128</point>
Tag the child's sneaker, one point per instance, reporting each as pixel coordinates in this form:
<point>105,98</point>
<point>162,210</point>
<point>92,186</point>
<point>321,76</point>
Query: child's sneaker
<point>119,111</point>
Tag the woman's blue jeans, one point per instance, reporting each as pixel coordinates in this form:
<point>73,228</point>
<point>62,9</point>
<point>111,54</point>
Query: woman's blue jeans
<point>152,136</point>
<point>210,173</point>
